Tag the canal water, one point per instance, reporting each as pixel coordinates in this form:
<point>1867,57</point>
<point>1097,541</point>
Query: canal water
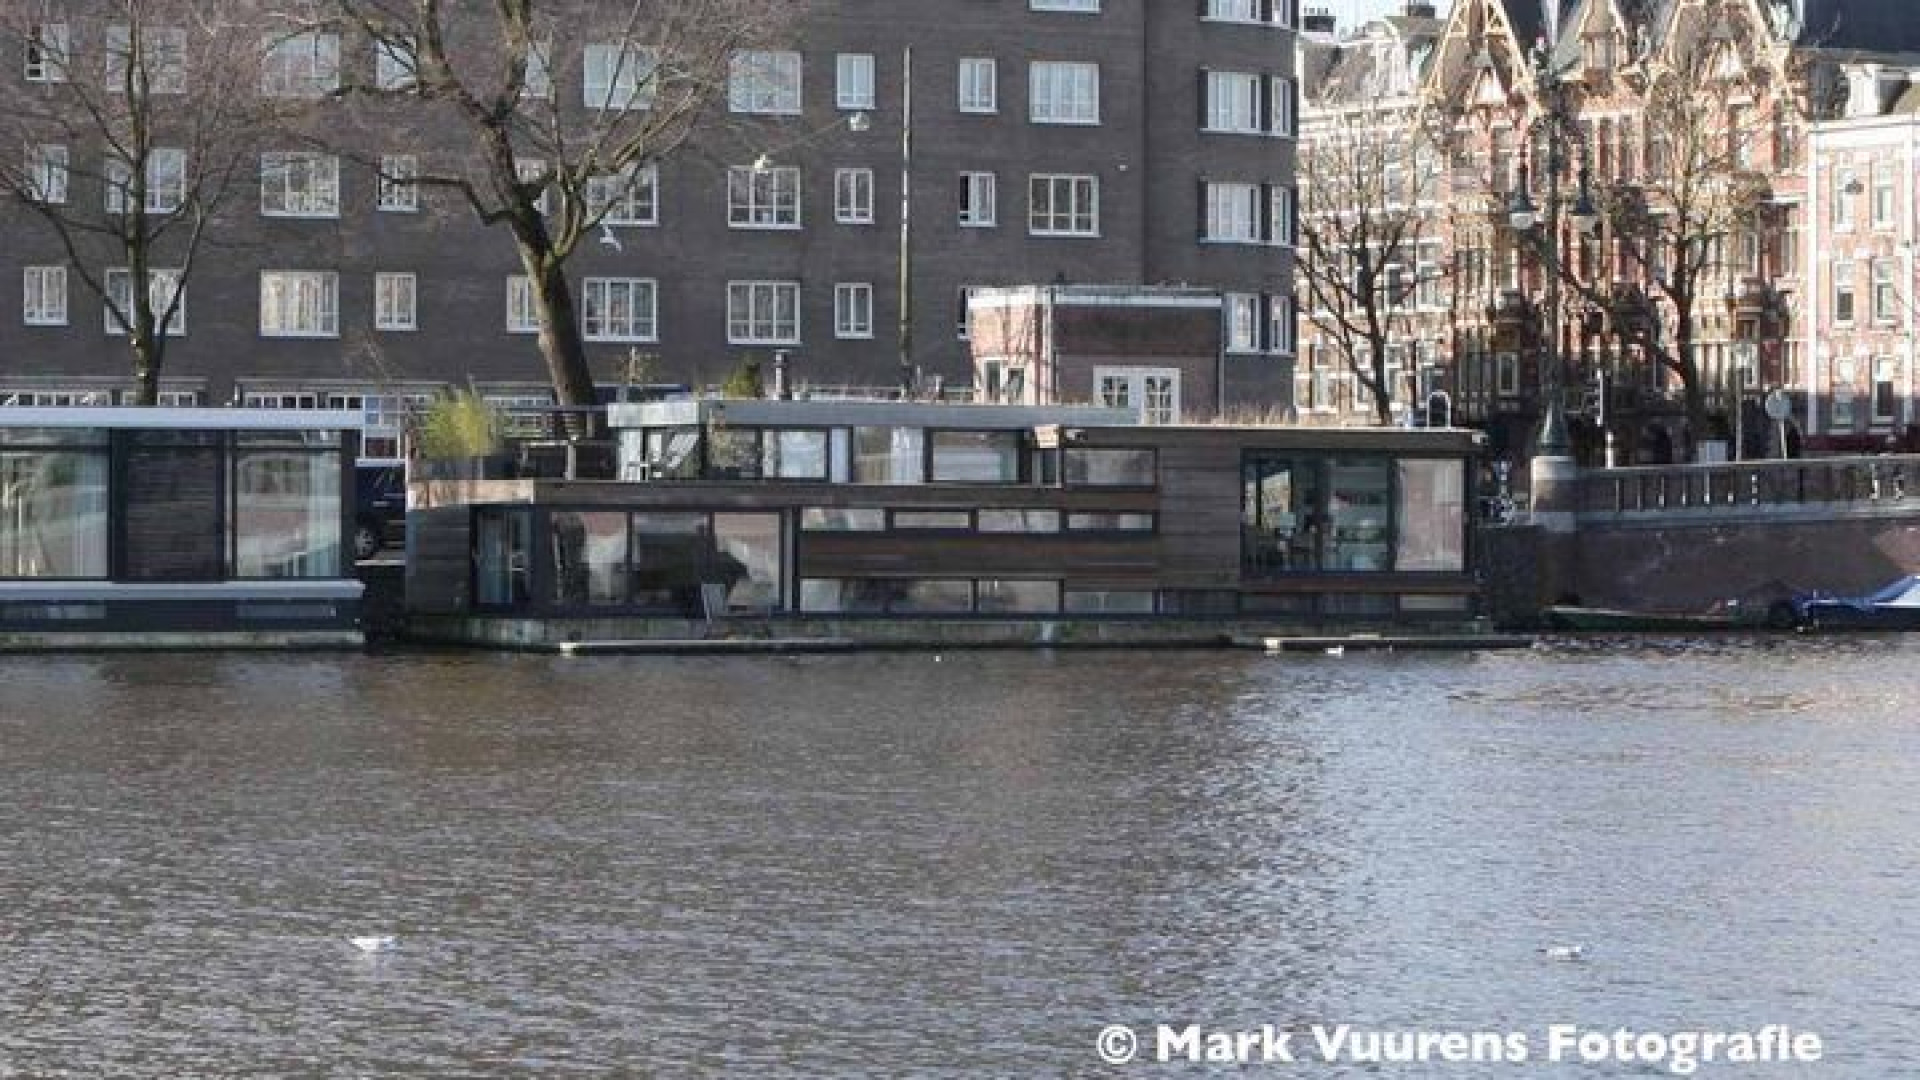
<point>966,864</point>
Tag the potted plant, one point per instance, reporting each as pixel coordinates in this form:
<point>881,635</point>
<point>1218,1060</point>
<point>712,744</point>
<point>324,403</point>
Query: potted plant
<point>461,437</point>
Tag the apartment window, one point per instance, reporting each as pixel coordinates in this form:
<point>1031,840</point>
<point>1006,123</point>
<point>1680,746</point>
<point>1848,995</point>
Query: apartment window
<point>853,196</point>
<point>1234,102</point>
<point>763,313</point>
<point>979,85</point>
<point>1846,185</point>
<point>394,65</point>
<point>1267,12</point>
<point>301,65</point>
<point>620,309</point>
<point>46,299</point>
<point>1233,213</point>
<point>1886,299</point>
<point>1883,195</point>
<point>395,302</point>
<point>1844,374</point>
<point>764,82</point>
<point>166,182</point>
<point>47,174</point>
<point>853,81</point>
<point>1243,322</point>
<point>978,199</point>
<point>853,310</point>
<point>1281,96</point>
<point>1063,205</point>
<point>163,59</point>
<point>1886,397</point>
<point>522,317</point>
<point>47,53</point>
<point>299,303</point>
<point>538,84</point>
<point>1280,328</point>
<point>533,171</point>
<point>628,197</point>
<point>1085,6</point>
<point>618,76</point>
<point>163,287</point>
<point>397,192</point>
<point>1061,92</point>
<point>763,198</point>
<point>1843,292</point>
<point>299,184</point>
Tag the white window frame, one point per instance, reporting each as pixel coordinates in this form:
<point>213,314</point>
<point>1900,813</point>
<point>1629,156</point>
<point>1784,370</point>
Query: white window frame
<point>1073,7</point>
<point>1128,387</point>
<point>49,174</point>
<point>162,286</point>
<point>396,302</point>
<point>763,198</point>
<point>318,288</point>
<point>1233,212</point>
<point>304,65</point>
<point>1240,322</point>
<point>853,310</point>
<point>765,82</point>
<point>618,76</point>
<point>853,86</point>
<point>318,196</point>
<point>522,318</point>
<point>853,196</point>
<point>1046,222</point>
<point>1063,92</point>
<point>49,52</point>
<point>164,52</point>
<point>166,181</point>
<point>979,85</point>
<point>979,200</point>
<point>45,300</point>
<point>396,193</point>
<point>746,319</point>
<point>621,310</point>
<point>396,65</point>
<point>630,197</point>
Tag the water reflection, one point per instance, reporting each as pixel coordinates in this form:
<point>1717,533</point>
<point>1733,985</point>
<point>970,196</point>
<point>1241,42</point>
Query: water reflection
<point>892,864</point>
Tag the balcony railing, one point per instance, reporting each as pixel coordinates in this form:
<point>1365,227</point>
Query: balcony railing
<point>1885,481</point>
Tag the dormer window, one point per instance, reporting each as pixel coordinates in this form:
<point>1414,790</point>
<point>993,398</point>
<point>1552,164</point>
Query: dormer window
<point>1598,53</point>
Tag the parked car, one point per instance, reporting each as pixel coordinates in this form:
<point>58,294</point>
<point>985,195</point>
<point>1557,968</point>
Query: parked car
<point>1894,606</point>
<point>379,508</point>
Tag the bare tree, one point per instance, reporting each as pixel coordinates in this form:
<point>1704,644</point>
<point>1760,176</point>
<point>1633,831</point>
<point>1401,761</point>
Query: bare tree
<point>543,165</point>
<point>1369,186</point>
<point>139,121</point>
<point>1702,189</point>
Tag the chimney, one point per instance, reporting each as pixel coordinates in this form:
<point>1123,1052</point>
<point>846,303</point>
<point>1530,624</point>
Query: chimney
<point>1317,21</point>
<point>1420,9</point>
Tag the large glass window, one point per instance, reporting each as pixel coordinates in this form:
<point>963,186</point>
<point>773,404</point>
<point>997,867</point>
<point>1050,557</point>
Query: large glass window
<point>793,454</point>
<point>749,562</point>
<point>1431,517</point>
<point>286,508</point>
<point>670,561</point>
<point>1110,468</point>
<point>53,506</point>
<point>889,455</point>
<point>976,457</point>
<point>1283,527</point>
<point>504,543</point>
<point>589,559</point>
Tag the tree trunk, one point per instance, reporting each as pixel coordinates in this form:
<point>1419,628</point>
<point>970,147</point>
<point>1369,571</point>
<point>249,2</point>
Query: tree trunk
<point>146,376</point>
<point>1692,393</point>
<point>561,343</point>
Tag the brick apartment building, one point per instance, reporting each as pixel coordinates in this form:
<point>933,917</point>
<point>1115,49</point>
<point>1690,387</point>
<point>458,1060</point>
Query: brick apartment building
<point>1810,104</point>
<point>1111,142</point>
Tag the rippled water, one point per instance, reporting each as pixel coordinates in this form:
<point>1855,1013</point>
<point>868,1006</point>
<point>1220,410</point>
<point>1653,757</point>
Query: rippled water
<point>908,864</point>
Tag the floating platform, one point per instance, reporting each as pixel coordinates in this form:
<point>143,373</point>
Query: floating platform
<point>1385,643</point>
<point>705,646</point>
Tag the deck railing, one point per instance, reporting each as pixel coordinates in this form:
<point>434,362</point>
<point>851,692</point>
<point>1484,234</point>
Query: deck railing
<point>1884,480</point>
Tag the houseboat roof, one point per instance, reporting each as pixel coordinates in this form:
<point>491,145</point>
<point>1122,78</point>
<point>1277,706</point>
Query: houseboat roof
<point>182,419</point>
<point>863,413</point>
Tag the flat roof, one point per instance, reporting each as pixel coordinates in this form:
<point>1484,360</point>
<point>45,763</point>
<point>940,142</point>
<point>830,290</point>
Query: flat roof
<point>921,414</point>
<point>183,419</point>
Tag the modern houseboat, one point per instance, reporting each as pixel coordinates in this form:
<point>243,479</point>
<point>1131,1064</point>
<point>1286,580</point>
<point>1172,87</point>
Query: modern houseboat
<point>175,528</point>
<point>907,522</point>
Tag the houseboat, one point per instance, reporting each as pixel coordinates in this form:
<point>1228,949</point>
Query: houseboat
<point>174,528</point>
<point>900,522</point>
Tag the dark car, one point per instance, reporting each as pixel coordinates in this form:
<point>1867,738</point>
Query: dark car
<point>379,508</point>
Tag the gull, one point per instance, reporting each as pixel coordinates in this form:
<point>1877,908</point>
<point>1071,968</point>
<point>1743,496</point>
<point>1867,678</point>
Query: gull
<point>1564,952</point>
<point>373,943</point>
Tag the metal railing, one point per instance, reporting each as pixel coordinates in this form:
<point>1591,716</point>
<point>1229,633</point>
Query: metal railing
<point>1838,481</point>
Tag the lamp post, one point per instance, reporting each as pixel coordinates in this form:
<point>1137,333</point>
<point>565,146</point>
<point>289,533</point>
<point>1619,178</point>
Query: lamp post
<point>1552,466</point>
